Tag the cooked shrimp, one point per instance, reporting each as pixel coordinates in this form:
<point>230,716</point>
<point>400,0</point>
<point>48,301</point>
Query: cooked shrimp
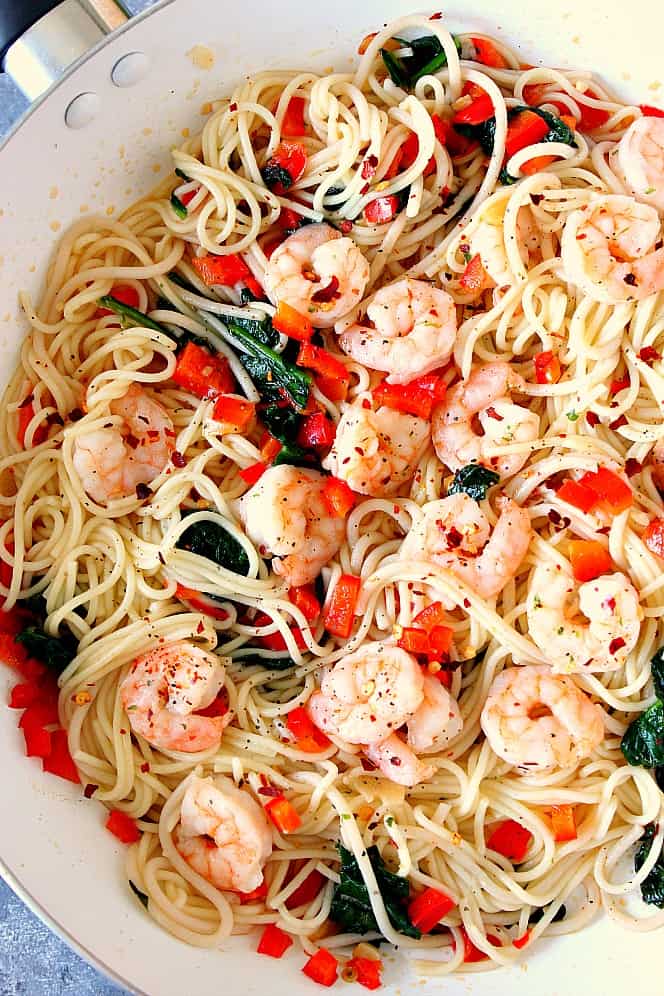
<point>658,463</point>
<point>485,395</point>
<point>610,249</point>
<point>436,722</point>
<point>376,452</point>
<point>638,160</point>
<point>413,328</point>
<point>319,272</point>
<point>398,762</point>
<point>164,690</point>
<point>112,461</point>
<point>287,518</point>
<point>367,695</point>
<point>589,627</point>
<point>540,721</point>
<point>454,533</point>
<point>223,834</point>
<point>488,239</point>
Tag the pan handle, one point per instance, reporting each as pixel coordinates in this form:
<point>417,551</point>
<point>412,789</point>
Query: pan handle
<point>40,39</point>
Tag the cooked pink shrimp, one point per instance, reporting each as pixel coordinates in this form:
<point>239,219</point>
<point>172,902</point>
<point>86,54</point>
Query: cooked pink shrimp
<point>610,249</point>
<point>540,721</point>
<point>318,272</point>
<point>488,239</point>
<point>164,690</point>
<point>376,452</point>
<point>485,395</point>
<point>223,834</point>
<point>112,461</point>
<point>454,533</point>
<point>412,331</point>
<point>398,762</point>
<point>590,627</point>
<point>287,518</point>
<point>638,159</point>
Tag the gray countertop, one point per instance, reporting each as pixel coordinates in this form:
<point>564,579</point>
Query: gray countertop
<point>33,961</point>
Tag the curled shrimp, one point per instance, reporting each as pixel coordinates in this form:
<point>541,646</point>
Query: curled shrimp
<point>485,396</point>
<point>488,241</point>
<point>286,516</point>
<point>413,328</point>
<point>589,627</point>
<point>223,834</point>
<point>376,452</point>
<point>610,249</point>
<point>540,721</point>
<point>164,690</point>
<point>112,461</point>
<point>319,272</point>
<point>455,534</point>
<point>638,159</point>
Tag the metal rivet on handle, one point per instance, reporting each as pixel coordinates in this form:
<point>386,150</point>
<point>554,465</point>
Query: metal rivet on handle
<point>82,110</point>
<point>130,69</point>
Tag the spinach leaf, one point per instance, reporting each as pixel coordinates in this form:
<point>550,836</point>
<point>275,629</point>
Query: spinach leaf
<point>140,895</point>
<point>269,663</point>
<point>475,480</point>
<point>209,539</point>
<point>53,651</point>
<point>643,741</point>
<point>261,331</point>
<point>652,887</point>
<point>284,424</point>
<point>351,907</point>
<point>659,777</point>
<point>657,672</point>
<point>269,370</point>
<point>537,914</point>
<point>179,208</point>
<point>427,56</point>
<point>273,174</point>
<point>181,173</point>
<point>129,315</point>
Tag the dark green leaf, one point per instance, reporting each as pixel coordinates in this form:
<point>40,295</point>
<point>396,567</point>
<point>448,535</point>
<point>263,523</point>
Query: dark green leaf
<point>269,370</point>
<point>181,173</point>
<point>659,777</point>
<point>294,455</point>
<point>130,315</point>
<point>643,742</point>
<point>395,67</point>
<point>652,887</point>
<point>428,56</point>
<point>281,422</point>
<point>197,340</point>
<point>140,895</point>
<point>269,663</point>
<point>261,331</point>
<point>179,208</point>
<point>657,672</point>
<point>537,915</point>
<point>475,480</point>
<point>351,907</point>
<point>273,174</point>
<point>55,652</point>
<point>209,539</point>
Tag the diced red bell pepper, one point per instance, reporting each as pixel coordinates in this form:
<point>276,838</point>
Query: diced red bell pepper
<point>283,814</point>
<point>305,599</point>
<point>510,839</point>
<point>38,741</point>
<point>340,612</point>
<point>13,654</point>
<point>649,111</point>
<point>293,124</point>
<point>260,892</point>
<point>577,494</point>
<point>487,53</point>
<point>563,823</point>
<point>307,891</point>
<point>520,942</point>
<point>322,967</point>
<point>26,413</point>
<point>274,941</point>
<point>653,536</point>
<point>121,292</point>
<point>417,397</point>
<point>275,641</point>
<point>235,411</point>
<point>225,270</point>
<point>427,909</point>
<point>290,157</point>
<point>480,108</point>
<point>592,117</point>
<point>317,432</point>
<point>24,695</point>
<point>525,128</point>
<point>536,164</point>
<point>197,601</point>
<point>407,154</point>
<point>203,374</point>
<point>339,497</point>
<point>440,641</point>
<point>414,640</point>
<point>619,385</point>
<point>613,494</point>
<point>302,727</point>
<point>473,954</point>
<point>292,323</point>
<point>533,94</point>
<point>16,619</point>
<point>381,210</point>
<point>474,278</point>
<point>59,762</point>
<point>334,388</point>
<point>42,712</point>
<point>547,368</point>
<point>123,827</point>
<point>589,559</point>
<point>253,473</point>
<point>188,195</point>
<point>318,359</point>
<point>270,448</point>
<point>366,971</point>
<point>455,143</point>
<point>433,615</point>
<point>288,219</point>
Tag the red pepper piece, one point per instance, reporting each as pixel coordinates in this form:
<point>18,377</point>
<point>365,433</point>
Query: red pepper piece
<point>123,827</point>
<point>318,359</point>
<point>577,494</point>
<point>224,270</point>
<point>283,814</point>
<point>381,210</point>
<point>520,942</point>
<point>589,559</point>
<point>366,971</point>
<point>653,536</point>
<point>440,641</point>
<point>291,157</point>
<point>275,641</point>
<point>288,219</point>
<point>427,909</point>
<point>274,941</point>
<point>309,738</point>
<point>563,823</point>
<point>474,278</point>
<point>340,613</point>
<point>38,742</point>
<point>203,374</point>
<point>470,952</point>
<point>651,112</point>
<point>334,388</point>
<point>26,413</point>
<point>42,712</point>
<point>322,967</point>
<point>197,601</point>
<point>547,368</point>
<point>510,839</point>
<point>479,110</point>
<point>292,323</point>
<point>417,397</point>
<point>252,897</point>
<point>121,292</point>
<point>592,117</point>
<point>317,432</point>
<point>525,128</point>
<point>59,762</point>
<point>433,615</point>
<point>305,600</point>
<point>293,124</point>
<point>307,891</point>
<point>414,640</point>
<point>613,494</point>
<point>235,411</point>
<point>24,695</point>
<point>218,706</point>
<point>339,498</point>
<point>487,53</point>
<point>253,473</point>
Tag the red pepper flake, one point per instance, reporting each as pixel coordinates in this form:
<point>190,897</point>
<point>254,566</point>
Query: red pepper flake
<point>270,790</point>
<point>369,167</point>
<point>75,415</point>
<point>610,604</point>
<point>649,354</point>
<point>436,17</point>
<point>233,107</point>
<point>592,418</point>
<point>616,645</point>
<point>90,790</point>
<point>454,538</point>
<point>466,603</point>
<point>365,188</point>
<point>346,226</point>
<point>492,413</point>
<point>145,767</point>
<point>632,467</point>
<point>200,628</point>
<point>178,459</point>
<point>618,422</point>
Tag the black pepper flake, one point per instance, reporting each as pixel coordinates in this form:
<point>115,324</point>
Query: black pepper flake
<point>630,279</point>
